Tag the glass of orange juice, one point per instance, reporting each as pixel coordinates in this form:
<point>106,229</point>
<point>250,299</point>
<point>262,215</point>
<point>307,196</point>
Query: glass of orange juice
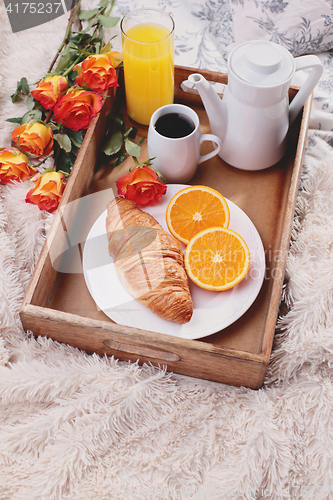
<point>148,53</point>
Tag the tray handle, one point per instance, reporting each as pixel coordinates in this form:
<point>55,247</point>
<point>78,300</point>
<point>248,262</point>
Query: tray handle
<point>141,351</point>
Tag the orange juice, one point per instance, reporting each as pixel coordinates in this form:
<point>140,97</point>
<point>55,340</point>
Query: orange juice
<point>148,69</point>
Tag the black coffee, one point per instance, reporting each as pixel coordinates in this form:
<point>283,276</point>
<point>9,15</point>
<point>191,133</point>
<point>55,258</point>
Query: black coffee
<point>174,125</point>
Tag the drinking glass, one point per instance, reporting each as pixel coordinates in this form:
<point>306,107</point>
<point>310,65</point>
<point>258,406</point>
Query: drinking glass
<point>148,58</point>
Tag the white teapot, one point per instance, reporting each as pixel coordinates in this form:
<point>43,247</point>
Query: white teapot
<point>253,118</point>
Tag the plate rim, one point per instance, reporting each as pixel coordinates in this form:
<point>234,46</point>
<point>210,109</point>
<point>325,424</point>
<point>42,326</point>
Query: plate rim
<point>197,335</point>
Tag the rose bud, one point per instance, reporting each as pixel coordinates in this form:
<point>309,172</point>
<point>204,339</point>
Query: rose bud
<point>48,191</point>
<point>76,108</point>
<point>14,166</point>
<point>97,72</point>
<point>142,186</point>
<point>49,89</point>
<point>34,138</point>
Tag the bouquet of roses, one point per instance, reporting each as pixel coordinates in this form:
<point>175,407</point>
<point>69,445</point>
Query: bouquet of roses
<point>61,107</point>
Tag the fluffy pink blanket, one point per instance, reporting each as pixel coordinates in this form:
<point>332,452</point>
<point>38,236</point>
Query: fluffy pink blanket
<point>74,426</point>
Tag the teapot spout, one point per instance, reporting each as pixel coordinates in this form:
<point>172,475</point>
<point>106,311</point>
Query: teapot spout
<point>214,106</point>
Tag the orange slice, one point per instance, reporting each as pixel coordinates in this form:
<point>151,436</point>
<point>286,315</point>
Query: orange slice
<point>217,258</point>
<point>196,208</point>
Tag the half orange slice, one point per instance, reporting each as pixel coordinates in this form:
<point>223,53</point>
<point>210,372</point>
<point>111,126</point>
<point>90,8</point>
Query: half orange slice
<point>196,208</point>
<point>217,258</point>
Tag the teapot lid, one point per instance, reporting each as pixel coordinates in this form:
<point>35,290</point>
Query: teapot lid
<point>261,63</point>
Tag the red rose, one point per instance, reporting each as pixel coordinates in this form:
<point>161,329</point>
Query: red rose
<point>14,166</point>
<point>48,190</point>
<point>142,186</point>
<point>76,108</point>
<point>49,90</point>
<point>34,138</point>
<point>97,72</point>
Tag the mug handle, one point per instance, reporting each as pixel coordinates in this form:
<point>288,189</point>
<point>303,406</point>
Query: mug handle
<point>216,140</point>
<point>310,61</point>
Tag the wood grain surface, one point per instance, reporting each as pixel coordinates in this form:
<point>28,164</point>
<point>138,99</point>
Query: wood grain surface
<point>58,305</point>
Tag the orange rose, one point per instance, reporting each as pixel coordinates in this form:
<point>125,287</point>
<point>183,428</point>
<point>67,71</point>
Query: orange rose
<point>142,186</point>
<point>34,138</point>
<point>97,72</point>
<point>49,89</point>
<point>14,166</point>
<point>76,108</point>
<point>48,191</point>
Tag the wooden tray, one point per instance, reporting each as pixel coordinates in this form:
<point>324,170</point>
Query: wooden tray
<point>58,305</point>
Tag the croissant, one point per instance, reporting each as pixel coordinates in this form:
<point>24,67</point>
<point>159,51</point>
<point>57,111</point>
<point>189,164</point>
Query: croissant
<point>150,261</point>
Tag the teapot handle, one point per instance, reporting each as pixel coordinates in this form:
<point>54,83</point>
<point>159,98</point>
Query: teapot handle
<point>309,61</point>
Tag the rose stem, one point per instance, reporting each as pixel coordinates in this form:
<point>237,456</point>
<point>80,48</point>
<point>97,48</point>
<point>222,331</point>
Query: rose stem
<point>67,33</point>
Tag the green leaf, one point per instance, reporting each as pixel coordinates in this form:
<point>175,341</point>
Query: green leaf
<point>103,3</point>
<point>84,15</point>
<point>108,22</point>
<point>65,61</point>
<point>131,132</point>
<point>120,158</point>
<point>24,86</point>
<point>100,37</point>
<point>33,104</point>
<point>97,47</point>
<point>15,96</point>
<point>106,48</point>
<point>30,103</point>
<point>64,142</point>
<point>34,114</point>
<point>64,164</point>
<point>14,120</point>
<point>53,126</point>
<point>70,47</point>
<point>21,87</point>
<point>128,131</point>
<point>71,77</point>
<point>76,137</point>
<point>114,144</point>
<point>132,149</point>
<point>117,118</point>
<point>65,161</point>
<point>90,25</point>
<point>80,38</point>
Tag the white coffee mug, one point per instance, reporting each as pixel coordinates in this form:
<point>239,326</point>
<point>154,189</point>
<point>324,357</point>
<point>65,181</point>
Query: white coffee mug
<point>174,141</point>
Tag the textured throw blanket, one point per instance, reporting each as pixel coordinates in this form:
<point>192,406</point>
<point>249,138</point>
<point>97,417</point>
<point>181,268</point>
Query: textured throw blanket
<point>81,427</point>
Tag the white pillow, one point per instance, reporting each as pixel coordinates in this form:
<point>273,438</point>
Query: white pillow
<point>301,26</point>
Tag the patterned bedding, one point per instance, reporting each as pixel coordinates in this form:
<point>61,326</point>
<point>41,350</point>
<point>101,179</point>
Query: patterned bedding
<point>206,31</point>
<point>75,426</point>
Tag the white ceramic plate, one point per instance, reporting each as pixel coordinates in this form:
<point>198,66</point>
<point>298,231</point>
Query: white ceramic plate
<point>213,311</point>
